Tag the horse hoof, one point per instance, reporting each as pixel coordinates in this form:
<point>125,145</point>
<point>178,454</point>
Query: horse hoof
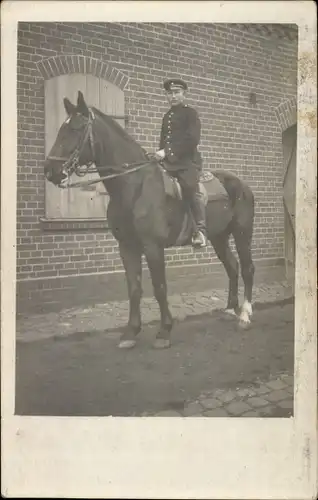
<point>230,312</point>
<point>127,344</point>
<point>244,325</point>
<point>162,343</point>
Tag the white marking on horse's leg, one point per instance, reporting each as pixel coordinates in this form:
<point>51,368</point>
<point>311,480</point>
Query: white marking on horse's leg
<point>247,306</point>
<point>246,314</point>
<point>231,312</point>
<point>126,344</point>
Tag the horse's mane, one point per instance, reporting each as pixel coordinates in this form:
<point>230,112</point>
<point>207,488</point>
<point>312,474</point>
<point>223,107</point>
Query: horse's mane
<point>116,127</point>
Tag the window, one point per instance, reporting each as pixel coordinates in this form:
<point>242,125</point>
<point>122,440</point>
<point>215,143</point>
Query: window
<point>76,203</point>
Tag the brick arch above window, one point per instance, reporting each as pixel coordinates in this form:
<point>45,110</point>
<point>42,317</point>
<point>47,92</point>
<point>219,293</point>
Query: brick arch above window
<point>67,64</point>
<point>286,113</point>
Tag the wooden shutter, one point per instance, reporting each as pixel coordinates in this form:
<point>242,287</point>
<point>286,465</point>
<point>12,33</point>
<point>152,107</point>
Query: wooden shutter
<point>76,203</point>
<point>289,194</point>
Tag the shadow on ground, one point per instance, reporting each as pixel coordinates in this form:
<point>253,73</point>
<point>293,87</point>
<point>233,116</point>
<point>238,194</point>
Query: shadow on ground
<point>86,374</point>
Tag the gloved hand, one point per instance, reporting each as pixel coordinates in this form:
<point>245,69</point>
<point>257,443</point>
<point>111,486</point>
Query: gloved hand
<point>160,155</point>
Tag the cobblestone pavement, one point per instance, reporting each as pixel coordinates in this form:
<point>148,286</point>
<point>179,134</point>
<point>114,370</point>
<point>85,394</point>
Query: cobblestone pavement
<point>268,396</point>
<point>272,398</point>
<point>112,315</point>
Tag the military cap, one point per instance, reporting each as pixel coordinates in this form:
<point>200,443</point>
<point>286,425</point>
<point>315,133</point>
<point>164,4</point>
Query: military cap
<point>175,83</point>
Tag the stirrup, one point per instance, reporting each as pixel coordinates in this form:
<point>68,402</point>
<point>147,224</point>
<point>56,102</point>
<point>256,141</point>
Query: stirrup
<point>199,240</point>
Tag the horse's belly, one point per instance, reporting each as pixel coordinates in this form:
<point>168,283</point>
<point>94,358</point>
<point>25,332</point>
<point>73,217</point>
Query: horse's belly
<point>219,214</point>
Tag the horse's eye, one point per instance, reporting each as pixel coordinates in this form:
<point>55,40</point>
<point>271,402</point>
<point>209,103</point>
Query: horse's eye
<point>77,124</point>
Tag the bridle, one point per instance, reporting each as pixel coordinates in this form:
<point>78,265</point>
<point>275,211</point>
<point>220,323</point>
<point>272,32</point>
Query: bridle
<point>71,164</point>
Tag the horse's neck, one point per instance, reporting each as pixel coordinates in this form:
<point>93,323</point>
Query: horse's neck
<point>115,150</point>
<point>114,156</point>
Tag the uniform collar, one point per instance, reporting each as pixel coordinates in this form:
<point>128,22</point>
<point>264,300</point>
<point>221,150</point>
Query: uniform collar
<point>179,106</point>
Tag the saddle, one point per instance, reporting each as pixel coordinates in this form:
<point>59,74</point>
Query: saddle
<point>210,188</point>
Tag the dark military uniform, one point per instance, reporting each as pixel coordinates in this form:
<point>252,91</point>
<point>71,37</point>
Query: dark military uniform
<point>179,138</point>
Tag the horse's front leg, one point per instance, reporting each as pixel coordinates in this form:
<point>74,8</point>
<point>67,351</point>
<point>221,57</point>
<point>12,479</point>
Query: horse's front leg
<point>156,262</point>
<point>131,258</point>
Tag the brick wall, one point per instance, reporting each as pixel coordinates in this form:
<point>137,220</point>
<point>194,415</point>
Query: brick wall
<point>223,65</point>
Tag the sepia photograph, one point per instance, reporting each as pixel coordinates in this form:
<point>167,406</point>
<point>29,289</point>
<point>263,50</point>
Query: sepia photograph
<point>155,229</point>
<point>155,219</point>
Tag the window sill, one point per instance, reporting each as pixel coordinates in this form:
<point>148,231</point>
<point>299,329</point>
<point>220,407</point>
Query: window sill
<point>73,224</point>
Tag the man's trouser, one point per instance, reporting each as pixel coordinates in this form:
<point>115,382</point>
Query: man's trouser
<point>189,182</point>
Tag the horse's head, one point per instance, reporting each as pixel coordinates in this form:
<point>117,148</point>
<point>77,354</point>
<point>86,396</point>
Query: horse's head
<point>73,146</point>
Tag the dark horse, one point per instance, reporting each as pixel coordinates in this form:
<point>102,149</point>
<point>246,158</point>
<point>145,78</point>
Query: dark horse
<point>141,217</point>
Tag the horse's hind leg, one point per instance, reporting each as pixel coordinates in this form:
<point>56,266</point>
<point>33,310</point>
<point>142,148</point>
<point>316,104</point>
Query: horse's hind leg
<point>243,241</point>
<point>156,262</point>
<point>131,258</point>
<point>222,249</point>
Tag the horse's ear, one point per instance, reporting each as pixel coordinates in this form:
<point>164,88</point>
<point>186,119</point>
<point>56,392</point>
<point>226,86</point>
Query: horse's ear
<point>81,105</point>
<point>69,107</point>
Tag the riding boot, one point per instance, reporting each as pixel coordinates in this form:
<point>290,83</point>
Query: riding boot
<point>198,208</point>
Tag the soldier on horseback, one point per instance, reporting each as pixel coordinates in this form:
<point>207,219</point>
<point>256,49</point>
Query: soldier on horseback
<point>180,136</point>
<point>136,211</point>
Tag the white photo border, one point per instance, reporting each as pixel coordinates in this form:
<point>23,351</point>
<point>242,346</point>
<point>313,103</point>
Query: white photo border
<point>109,457</point>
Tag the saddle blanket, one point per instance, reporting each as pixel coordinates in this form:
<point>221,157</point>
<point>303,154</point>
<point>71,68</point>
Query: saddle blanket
<point>210,188</point>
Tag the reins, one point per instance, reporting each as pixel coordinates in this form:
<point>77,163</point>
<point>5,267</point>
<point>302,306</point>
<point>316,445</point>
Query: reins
<point>138,166</point>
